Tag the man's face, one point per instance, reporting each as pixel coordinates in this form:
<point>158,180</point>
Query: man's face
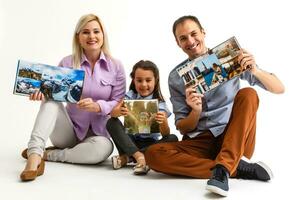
<point>190,38</point>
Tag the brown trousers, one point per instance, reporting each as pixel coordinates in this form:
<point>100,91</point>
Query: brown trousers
<point>195,157</point>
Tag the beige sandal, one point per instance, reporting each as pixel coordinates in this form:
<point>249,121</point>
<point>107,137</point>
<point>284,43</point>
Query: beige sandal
<point>117,162</point>
<point>139,168</point>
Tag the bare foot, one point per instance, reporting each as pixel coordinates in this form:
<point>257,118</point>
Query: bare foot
<point>140,158</point>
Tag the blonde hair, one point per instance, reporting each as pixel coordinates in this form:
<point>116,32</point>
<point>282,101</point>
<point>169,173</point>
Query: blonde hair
<point>77,49</point>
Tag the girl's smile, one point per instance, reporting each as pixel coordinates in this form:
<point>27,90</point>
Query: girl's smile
<point>144,82</point>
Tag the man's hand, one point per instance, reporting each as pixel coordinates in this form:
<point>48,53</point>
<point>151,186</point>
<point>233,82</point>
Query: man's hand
<point>247,61</point>
<point>193,99</point>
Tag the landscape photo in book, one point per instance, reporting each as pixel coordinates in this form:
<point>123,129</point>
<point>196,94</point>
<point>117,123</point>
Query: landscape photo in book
<point>141,117</point>
<point>218,66</point>
<point>56,83</point>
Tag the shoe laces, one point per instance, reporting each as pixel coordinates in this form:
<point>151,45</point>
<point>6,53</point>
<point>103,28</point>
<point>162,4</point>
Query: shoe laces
<point>247,171</point>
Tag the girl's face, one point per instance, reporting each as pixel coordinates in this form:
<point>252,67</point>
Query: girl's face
<point>144,82</point>
<point>91,37</point>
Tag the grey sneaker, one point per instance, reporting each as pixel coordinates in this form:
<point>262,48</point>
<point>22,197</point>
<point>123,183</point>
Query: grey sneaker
<point>254,171</point>
<point>219,182</point>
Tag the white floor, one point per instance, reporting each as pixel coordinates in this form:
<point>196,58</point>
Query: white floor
<point>68,181</point>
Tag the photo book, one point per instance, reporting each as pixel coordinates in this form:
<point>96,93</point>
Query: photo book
<point>56,83</point>
<point>141,117</point>
<point>209,71</point>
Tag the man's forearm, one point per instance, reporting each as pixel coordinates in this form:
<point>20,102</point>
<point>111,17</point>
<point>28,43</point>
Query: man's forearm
<point>189,123</point>
<point>270,81</point>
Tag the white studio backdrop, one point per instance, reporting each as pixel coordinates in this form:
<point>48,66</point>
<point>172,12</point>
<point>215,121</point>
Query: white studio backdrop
<point>41,31</point>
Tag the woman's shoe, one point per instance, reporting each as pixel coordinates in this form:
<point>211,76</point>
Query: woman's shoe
<point>139,168</point>
<point>30,175</point>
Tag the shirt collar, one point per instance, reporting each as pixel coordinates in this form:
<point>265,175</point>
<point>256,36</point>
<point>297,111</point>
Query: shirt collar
<point>132,95</point>
<point>102,61</point>
<point>138,96</point>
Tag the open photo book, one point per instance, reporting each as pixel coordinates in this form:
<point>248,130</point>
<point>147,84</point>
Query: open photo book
<point>209,71</point>
<point>141,117</point>
<point>56,83</point>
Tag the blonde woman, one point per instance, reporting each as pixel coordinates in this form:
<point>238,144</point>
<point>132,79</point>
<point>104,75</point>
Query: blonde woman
<point>78,130</point>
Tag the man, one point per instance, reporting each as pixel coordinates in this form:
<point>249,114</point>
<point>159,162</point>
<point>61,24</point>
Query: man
<point>218,127</point>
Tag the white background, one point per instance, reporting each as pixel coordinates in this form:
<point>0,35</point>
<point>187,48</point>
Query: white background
<point>41,31</point>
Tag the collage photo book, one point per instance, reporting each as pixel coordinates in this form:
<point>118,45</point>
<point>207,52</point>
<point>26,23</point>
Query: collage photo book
<point>141,117</point>
<point>56,83</point>
<point>218,66</point>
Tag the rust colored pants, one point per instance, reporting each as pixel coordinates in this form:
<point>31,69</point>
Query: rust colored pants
<point>195,157</point>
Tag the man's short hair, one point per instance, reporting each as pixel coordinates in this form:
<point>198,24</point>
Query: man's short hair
<point>183,19</point>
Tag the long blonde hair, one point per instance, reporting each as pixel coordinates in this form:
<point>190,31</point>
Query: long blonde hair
<point>77,49</point>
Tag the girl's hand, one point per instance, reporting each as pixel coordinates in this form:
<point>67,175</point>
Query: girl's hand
<point>119,110</point>
<point>161,117</point>
<point>37,96</point>
<point>193,99</point>
<point>124,110</point>
<point>247,61</point>
<point>89,105</point>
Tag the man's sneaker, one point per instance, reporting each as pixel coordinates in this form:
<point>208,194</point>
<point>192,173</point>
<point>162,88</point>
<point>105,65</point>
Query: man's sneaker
<point>254,171</point>
<point>219,182</point>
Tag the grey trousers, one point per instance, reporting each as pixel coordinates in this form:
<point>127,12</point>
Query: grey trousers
<point>54,122</point>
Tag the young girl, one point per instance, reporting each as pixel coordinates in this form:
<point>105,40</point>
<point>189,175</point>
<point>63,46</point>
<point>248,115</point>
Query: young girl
<point>144,85</point>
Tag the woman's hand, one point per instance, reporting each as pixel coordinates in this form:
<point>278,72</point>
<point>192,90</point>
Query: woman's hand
<point>119,110</point>
<point>161,117</point>
<point>89,105</point>
<point>37,96</point>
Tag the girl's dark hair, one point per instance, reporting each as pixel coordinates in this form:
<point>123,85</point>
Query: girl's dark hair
<point>183,19</point>
<point>147,65</point>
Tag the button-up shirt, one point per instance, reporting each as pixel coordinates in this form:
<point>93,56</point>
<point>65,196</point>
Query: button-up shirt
<point>105,85</point>
<point>216,104</point>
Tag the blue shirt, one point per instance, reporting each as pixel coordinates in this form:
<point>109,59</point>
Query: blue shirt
<point>216,104</point>
<point>162,106</point>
